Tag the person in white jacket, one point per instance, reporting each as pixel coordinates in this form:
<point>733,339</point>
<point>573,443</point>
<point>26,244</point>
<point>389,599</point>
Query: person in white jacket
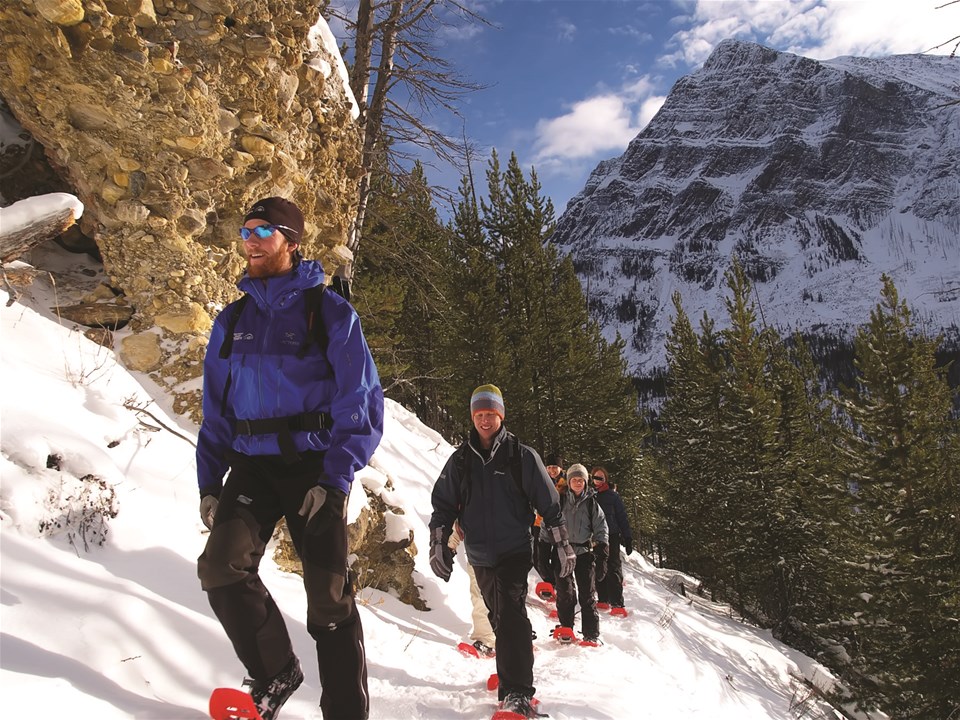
<point>482,635</point>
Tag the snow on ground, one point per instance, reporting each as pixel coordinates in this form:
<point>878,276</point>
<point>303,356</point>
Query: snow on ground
<point>123,630</point>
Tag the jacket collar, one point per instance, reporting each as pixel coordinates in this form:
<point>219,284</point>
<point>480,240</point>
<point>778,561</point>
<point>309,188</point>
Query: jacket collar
<point>498,439</point>
<point>275,291</point>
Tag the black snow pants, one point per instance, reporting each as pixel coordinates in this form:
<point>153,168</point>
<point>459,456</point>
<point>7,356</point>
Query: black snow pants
<point>258,492</point>
<point>504,590</point>
<point>578,586</point>
<point>611,589</point>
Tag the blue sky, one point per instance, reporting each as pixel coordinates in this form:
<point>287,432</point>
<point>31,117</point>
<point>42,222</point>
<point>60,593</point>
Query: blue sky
<point>571,82</point>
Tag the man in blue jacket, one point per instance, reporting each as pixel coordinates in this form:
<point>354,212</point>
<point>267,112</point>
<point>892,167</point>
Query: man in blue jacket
<point>292,418</point>
<point>492,484</point>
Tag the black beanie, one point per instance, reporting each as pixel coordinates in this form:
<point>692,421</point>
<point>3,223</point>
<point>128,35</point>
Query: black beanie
<point>553,459</point>
<point>280,212</point>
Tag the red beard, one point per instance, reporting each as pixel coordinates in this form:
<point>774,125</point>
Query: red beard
<point>270,265</point>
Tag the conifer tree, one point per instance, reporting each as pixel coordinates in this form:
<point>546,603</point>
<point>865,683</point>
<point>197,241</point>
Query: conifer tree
<point>473,336</point>
<point>528,331</point>
<point>813,506</point>
<point>906,644</point>
<point>687,461</point>
<point>400,296</point>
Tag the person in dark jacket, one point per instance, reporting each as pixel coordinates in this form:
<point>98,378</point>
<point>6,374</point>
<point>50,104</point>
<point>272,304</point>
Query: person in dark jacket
<point>610,589</point>
<point>291,421</point>
<point>554,464</point>
<point>587,530</point>
<point>493,506</point>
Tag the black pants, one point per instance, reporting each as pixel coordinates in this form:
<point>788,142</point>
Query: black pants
<point>579,587</point>
<point>258,492</point>
<point>610,590</point>
<point>504,590</point>
<point>546,560</point>
<point>537,563</point>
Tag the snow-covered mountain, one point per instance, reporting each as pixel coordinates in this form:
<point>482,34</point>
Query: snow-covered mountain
<point>818,176</point>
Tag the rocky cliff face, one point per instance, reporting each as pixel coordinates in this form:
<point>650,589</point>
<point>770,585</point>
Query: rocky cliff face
<point>817,176</point>
<point>167,119</point>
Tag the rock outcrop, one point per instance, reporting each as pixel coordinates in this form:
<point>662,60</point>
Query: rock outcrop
<point>167,119</point>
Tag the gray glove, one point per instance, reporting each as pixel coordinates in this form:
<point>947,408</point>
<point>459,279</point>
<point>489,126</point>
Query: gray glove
<point>441,556</point>
<point>208,510</point>
<point>565,551</point>
<point>320,495</point>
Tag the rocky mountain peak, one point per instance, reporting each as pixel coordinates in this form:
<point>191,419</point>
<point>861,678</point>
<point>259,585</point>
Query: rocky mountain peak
<point>816,176</point>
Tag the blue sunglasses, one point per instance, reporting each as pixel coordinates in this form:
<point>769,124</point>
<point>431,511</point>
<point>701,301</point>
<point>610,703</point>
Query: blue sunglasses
<point>261,231</point>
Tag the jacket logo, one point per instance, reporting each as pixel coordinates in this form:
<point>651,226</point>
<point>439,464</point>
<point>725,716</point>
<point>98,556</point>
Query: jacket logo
<point>242,336</point>
<point>289,338</point>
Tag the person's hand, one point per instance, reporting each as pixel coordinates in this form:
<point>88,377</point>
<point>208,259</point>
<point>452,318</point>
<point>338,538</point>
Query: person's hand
<point>600,553</point>
<point>320,495</point>
<point>565,551</point>
<point>456,537</point>
<point>441,556</point>
<point>313,501</point>
<point>628,546</point>
<point>208,510</point>
<point>568,558</point>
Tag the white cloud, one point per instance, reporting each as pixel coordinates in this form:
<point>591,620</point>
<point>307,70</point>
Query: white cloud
<point>648,108</point>
<point>632,32</point>
<point>598,124</point>
<point>820,29</point>
<point>639,88</point>
<point>604,123</point>
<point>566,30</point>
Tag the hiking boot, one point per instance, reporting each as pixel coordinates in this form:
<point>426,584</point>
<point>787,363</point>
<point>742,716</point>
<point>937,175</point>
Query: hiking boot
<point>592,641</point>
<point>270,695</point>
<point>522,705</point>
<point>484,650</point>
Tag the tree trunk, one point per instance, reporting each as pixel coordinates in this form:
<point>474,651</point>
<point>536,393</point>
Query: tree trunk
<point>17,240</point>
<point>372,115</point>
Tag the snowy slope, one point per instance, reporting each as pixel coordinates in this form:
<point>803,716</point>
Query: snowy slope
<point>123,631</point>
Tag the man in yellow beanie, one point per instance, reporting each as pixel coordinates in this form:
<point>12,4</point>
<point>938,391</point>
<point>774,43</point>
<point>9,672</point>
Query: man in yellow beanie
<point>489,485</point>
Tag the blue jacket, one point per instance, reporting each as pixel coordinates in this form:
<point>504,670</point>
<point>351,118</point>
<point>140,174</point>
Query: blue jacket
<point>497,516</point>
<point>615,513</point>
<point>268,380</point>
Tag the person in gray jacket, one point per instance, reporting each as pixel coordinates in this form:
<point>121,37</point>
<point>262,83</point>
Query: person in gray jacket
<point>587,530</point>
<point>489,485</point>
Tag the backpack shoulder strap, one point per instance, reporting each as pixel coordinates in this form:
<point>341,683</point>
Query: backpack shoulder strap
<point>463,472</point>
<point>316,327</point>
<point>516,465</point>
<point>227,347</point>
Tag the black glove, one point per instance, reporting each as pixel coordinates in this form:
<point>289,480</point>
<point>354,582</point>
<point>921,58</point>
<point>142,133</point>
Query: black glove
<point>600,554</point>
<point>628,546</point>
<point>441,556</point>
<point>319,496</point>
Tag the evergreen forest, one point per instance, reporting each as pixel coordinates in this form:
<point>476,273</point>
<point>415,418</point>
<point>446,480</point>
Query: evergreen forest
<point>828,512</point>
